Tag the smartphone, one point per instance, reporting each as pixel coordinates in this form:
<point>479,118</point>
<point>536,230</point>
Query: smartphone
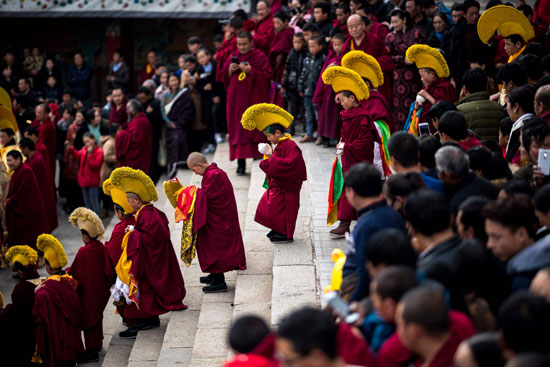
<point>424,128</point>
<point>544,161</point>
<point>338,305</point>
<point>234,60</point>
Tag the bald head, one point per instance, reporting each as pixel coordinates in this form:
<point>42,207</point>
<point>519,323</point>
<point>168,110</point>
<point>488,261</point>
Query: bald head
<point>542,100</point>
<point>356,27</point>
<point>195,158</point>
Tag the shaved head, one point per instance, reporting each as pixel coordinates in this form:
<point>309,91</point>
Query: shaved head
<point>196,158</point>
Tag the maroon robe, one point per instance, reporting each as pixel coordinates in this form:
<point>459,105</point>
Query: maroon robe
<point>26,215</point>
<point>113,246</point>
<point>135,143</point>
<point>379,109</point>
<point>92,269</point>
<point>470,142</point>
<point>220,245</point>
<point>359,135</point>
<point>329,123</point>
<point>439,89</point>
<point>280,47</point>
<point>264,34</point>
<point>226,49</point>
<point>353,349</point>
<point>279,205</point>
<point>41,172</point>
<point>57,313</point>
<point>41,148</point>
<point>154,265</point>
<point>374,46</point>
<point>242,94</point>
<point>119,116</point>
<point>47,134</point>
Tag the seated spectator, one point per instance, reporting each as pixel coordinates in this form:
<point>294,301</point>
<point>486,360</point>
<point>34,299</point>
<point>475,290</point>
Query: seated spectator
<point>403,150</point>
<point>453,170</point>
<point>437,110</point>
<point>541,202</point>
<point>379,256</point>
<point>535,135</point>
<point>428,145</point>
<point>542,102</point>
<point>251,335</point>
<point>480,350</point>
<point>489,165</point>
<point>398,186</point>
<point>470,221</point>
<point>482,115</point>
<point>453,127</point>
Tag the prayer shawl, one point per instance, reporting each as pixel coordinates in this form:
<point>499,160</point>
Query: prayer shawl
<point>335,191</point>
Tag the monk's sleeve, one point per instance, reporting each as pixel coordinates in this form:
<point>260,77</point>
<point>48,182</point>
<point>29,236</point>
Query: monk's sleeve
<point>122,144</point>
<point>282,167</point>
<point>361,148</point>
<point>263,41</point>
<point>201,210</point>
<point>20,197</point>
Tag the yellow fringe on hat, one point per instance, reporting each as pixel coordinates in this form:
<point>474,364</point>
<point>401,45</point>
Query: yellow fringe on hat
<point>365,65</point>
<point>507,21</point>
<point>80,218</point>
<point>5,99</point>
<point>24,255</point>
<point>7,119</point>
<point>136,181</point>
<point>117,195</point>
<point>261,115</point>
<point>344,79</point>
<point>172,189</point>
<point>52,249</point>
<point>425,56</point>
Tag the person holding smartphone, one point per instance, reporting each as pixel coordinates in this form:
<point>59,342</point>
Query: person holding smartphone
<point>535,135</point>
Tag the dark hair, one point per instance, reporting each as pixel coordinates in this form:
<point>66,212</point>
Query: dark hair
<point>534,48</point>
<point>190,58</point>
<point>394,281</point>
<point>492,3</point>
<point>471,3</point>
<point>505,126</point>
<point>69,92</point>
<point>282,15</point>
<point>541,200</point>
<point>343,7</point>
<point>218,38</point>
<point>404,148</point>
<point>245,34</point>
<point>524,321</point>
<point>144,90</point>
<point>236,23</point>
<point>31,130</point>
<point>403,15</point>
<point>492,145</point>
<point>480,159</point>
<point>458,7</point>
<point>23,100</point>
<point>274,127</point>
<point>390,246</point>
<point>486,349</point>
<point>338,35</point>
<point>299,35</point>
<point>319,40</point>
<point>517,186</point>
<point>310,27</point>
<point>475,80</point>
<point>442,16</point>
<point>113,128</point>
<point>545,63</point>
<point>513,213</point>
<point>427,219</point>
<point>159,64</point>
<point>534,129</point>
<point>89,135</point>
<point>439,108</point>
<point>425,306</point>
<point>27,143</point>
<point>324,6</point>
<point>8,131</point>
<point>25,269</point>
<point>247,332</point>
<point>193,40</point>
<point>529,359</point>
<point>511,72</point>
<point>365,179</point>
<point>453,124</point>
<point>428,4</point>
<point>308,329</point>
<point>515,38</point>
<point>402,184</point>
<point>15,154</point>
<point>428,145</point>
<point>523,96</point>
<point>472,216</point>
<point>530,64</point>
<point>241,14</point>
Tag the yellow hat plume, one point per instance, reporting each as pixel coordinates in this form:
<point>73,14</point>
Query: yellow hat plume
<point>117,195</point>
<point>86,219</point>
<point>344,79</point>
<point>53,250</point>
<point>365,65</point>
<point>507,21</point>
<point>261,115</point>
<point>135,181</point>
<point>25,255</point>
<point>426,57</point>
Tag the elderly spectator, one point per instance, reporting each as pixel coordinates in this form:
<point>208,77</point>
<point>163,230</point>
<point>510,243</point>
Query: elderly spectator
<point>542,102</point>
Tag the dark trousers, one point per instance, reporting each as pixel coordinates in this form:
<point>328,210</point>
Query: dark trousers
<point>93,337</point>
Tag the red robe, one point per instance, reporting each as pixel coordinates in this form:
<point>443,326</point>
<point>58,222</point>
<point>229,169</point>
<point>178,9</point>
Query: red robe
<point>353,349</point>
<point>379,108</point>
<point>439,89</point>
<point>329,123</point>
<point>41,148</point>
<point>26,215</point>
<point>279,205</point>
<point>241,95</point>
<point>135,143</point>
<point>113,246</point>
<point>41,172</point>
<point>57,313</point>
<point>358,135</point>
<point>280,47</point>
<point>375,47</point>
<point>220,245</point>
<point>92,269</point>
<point>226,49</point>
<point>343,27</point>
<point>119,116</point>
<point>264,34</point>
<point>154,265</point>
<point>47,134</point>
<point>471,142</point>
<point>378,29</point>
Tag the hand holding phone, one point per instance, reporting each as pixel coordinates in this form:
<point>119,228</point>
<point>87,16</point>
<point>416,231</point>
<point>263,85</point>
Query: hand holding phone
<point>544,161</point>
<point>423,128</point>
<point>234,60</point>
<point>340,307</point>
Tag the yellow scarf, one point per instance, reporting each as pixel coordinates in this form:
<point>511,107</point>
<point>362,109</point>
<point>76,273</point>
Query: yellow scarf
<point>513,57</point>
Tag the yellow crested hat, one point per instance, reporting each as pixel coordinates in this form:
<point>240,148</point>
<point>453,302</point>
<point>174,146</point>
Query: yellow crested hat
<point>172,188</point>
<point>342,79</point>
<point>425,56</point>
<point>365,65</point>
<point>7,119</point>
<point>261,115</point>
<point>86,219</point>
<point>24,255</point>
<point>135,181</point>
<point>5,100</point>
<point>117,195</point>
<point>52,249</point>
<point>507,21</point>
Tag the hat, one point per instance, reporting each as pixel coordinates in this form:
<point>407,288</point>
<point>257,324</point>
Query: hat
<point>23,255</point>
<point>261,115</point>
<point>5,100</point>
<point>364,65</point>
<point>85,219</point>
<point>135,181</point>
<point>507,21</point>
<point>172,188</point>
<point>117,195</point>
<point>342,79</point>
<point>7,119</point>
<point>52,249</point>
<point>428,57</point>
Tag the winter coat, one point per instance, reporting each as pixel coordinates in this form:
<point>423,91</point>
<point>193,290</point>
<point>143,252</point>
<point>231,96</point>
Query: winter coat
<point>90,166</point>
<point>293,69</point>
<point>109,157</point>
<point>310,73</point>
<point>482,115</point>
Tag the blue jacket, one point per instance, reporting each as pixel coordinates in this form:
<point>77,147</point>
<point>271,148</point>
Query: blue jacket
<point>523,267</point>
<point>79,81</point>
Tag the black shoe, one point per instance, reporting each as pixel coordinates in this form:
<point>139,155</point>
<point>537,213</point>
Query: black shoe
<point>215,288</point>
<point>146,324</point>
<point>241,166</point>
<point>129,333</point>
<point>88,356</point>
<point>207,279</point>
<point>281,238</point>
<point>272,233</point>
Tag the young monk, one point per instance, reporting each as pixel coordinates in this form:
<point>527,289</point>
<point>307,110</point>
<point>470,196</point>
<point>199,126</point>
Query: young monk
<point>220,245</point>
<point>17,347</point>
<point>95,276</point>
<point>358,132</point>
<point>278,52</point>
<point>284,167</point>
<point>57,309</point>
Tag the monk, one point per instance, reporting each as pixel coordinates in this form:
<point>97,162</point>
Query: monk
<point>220,245</point>
<point>135,143</point>
<point>246,81</point>
<point>32,133</point>
<point>150,250</point>
<point>227,47</point>
<point>41,172</point>
<point>26,215</point>
<point>278,52</point>
<point>91,269</point>
<point>57,309</point>
<point>47,132</point>
<point>18,345</point>
<point>118,112</point>
<point>7,139</point>
<point>264,32</point>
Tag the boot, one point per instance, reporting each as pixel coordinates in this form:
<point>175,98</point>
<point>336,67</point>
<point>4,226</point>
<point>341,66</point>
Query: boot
<point>340,231</point>
<point>241,167</point>
<point>217,285</point>
<point>207,279</point>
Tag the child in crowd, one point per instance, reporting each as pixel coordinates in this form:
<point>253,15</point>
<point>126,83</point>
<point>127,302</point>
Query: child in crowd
<point>504,131</point>
<point>293,70</point>
<point>310,31</point>
<point>251,335</point>
<point>311,70</point>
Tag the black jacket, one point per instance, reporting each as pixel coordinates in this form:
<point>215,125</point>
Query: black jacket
<point>293,69</point>
<point>310,73</point>
<point>469,186</point>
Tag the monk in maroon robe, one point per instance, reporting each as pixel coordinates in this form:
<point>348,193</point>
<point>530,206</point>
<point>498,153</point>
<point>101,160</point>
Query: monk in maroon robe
<point>247,83</point>
<point>134,145</point>
<point>41,172</point>
<point>228,46</point>
<point>220,245</point>
<point>26,215</point>
<point>286,171</point>
<point>32,133</point>
<point>264,32</point>
<point>379,109</point>
<point>438,89</point>
<point>328,125</point>
<point>113,246</point>
<point>46,132</point>
<point>118,113</point>
<point>278,52</point>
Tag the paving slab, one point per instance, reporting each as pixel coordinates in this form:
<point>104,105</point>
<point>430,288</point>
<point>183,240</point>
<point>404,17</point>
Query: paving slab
<point>180,332</point>
<point>215,316</point>
<point>210,343</point>
<point>253,289</point>
<point>259,263</point>
<point>175,357</point>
